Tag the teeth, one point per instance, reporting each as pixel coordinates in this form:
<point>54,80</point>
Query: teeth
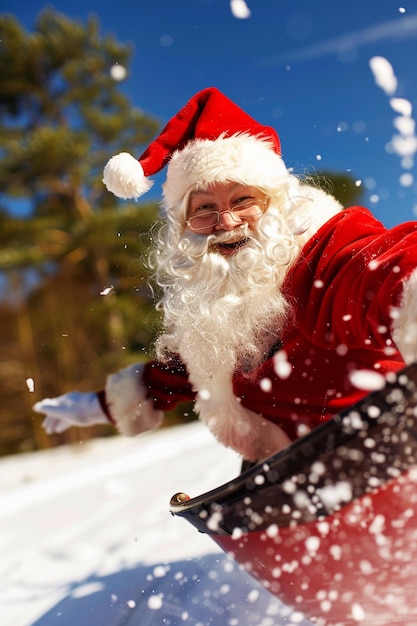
<point>233,244</point>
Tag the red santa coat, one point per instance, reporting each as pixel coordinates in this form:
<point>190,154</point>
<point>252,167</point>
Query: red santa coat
<point>343,289</point>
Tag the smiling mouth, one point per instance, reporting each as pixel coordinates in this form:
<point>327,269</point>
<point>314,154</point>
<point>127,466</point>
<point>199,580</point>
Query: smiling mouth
<point>227,243</point>
<point>231,245</point>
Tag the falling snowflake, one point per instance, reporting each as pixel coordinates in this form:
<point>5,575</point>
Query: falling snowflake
<point>282,367</point>
<point>367,380</point>
<point>239,9</point>
<point>404,142</point>
<point>358,613</point>
<point>155,602</point>
<point>118,72</point>
<point>384,74</point>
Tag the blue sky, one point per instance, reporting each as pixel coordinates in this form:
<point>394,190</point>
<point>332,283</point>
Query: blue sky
<point>301,66</point>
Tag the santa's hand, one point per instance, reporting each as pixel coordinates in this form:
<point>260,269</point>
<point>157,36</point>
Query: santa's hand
<point>71,409</point>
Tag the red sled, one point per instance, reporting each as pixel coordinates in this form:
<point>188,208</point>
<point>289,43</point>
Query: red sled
<point>329,525</point>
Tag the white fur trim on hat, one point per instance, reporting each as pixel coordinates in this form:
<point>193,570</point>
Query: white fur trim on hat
<point>404,327</point>
<point>126,399</point>
<point>242,158</point>
<point>123,175</point>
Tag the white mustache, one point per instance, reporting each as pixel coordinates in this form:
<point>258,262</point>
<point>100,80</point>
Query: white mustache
<point>232,235</point>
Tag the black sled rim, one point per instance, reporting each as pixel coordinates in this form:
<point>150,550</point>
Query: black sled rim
<point>362,448</point>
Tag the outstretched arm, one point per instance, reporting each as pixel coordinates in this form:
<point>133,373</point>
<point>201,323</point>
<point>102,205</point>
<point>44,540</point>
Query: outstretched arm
<point>133,400</point>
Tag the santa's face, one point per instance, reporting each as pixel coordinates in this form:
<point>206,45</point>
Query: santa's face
<point>221,270</point>
<point>228,212</point>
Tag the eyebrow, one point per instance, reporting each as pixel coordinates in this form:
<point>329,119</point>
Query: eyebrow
<point>208,192</point>
<point>193,194</point>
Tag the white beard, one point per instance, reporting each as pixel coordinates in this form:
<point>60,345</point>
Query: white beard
<point>225,318</point>
<point>223,315</point>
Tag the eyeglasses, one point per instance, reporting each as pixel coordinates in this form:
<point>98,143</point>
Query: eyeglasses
<point>206,219</point>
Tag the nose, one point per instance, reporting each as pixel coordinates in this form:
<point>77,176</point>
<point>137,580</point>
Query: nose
<point>227,221</point>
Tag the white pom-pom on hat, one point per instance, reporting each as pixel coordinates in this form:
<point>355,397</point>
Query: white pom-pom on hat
<point>123,175</point>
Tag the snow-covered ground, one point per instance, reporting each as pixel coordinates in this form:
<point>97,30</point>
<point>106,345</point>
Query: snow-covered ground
<point>86,538</point>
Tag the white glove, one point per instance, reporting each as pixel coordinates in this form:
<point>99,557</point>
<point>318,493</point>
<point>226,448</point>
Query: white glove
<point>75,408</point>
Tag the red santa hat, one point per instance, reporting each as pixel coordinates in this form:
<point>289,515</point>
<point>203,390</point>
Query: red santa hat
<point>209,140</point>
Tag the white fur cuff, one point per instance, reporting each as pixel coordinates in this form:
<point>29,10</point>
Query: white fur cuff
<point>404,327</point>
<point>127,402</point>
<point>237,427</point>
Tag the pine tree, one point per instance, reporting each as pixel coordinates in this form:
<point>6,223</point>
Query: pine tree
<point>63,113</point>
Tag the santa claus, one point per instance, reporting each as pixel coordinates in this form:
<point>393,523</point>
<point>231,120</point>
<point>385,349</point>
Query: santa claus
<point>274,295</point>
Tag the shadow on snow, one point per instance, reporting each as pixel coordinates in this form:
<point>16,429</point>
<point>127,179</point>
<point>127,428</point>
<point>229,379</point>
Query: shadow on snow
<point>203,591</point>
